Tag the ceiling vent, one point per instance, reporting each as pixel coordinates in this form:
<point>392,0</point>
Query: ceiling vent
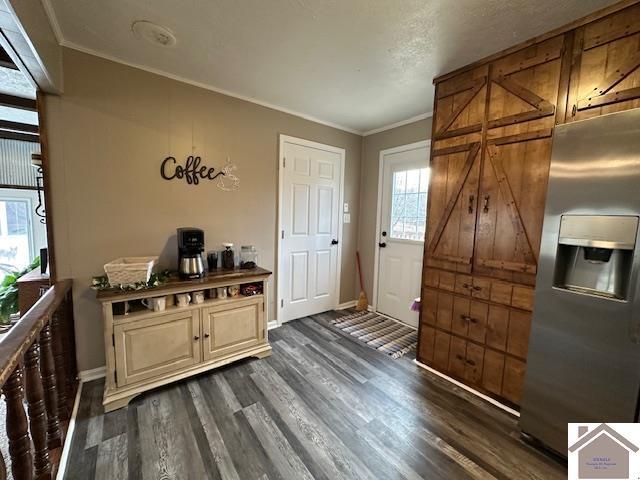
<point>152,33</point>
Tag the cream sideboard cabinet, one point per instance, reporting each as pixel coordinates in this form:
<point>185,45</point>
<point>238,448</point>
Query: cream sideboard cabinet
<point>147,349</point>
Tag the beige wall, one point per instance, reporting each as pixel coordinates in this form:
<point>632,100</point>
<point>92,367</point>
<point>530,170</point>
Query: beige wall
<point>372,145</point>
<point>108,134</point>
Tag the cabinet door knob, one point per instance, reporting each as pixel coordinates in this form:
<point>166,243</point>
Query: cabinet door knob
<point>476,288</point>
<point>206,335</point>
<point>196,337</point>
<point>471,362</point>
<point>473,320</point>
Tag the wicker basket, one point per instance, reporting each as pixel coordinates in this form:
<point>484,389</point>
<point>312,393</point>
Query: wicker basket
<point>129,270</point>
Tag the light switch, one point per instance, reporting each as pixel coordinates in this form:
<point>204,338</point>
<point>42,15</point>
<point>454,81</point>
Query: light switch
<point>346,218</point>
<point>345,209</point>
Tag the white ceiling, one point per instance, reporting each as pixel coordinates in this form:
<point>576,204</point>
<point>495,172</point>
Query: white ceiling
<point>355,64</point>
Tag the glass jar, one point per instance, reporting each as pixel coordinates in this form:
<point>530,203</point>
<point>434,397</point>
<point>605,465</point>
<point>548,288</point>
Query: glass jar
<point>228,260</point>
<point>248,256</point>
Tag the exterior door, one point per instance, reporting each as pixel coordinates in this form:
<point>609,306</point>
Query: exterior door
<point>403,211</point>
<point>310,209</point>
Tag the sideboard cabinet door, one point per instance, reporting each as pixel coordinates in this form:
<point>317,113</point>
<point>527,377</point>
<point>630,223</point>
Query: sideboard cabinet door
<point>155,346</point>
<point>229,330</point>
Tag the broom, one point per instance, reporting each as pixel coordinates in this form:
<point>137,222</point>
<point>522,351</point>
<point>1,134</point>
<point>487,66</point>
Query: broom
<point>363,303</point>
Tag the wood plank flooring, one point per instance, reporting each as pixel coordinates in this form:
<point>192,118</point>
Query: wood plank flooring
<point>321,407</point>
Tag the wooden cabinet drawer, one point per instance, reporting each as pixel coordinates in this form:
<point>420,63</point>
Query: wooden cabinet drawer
<point>431,278</point>
<point>501,292</point>
<point>441,350</point>
<point>228,330</point>
<point>493,371</point>
<point>519,329</point>
<point>427,344</point>
<point>457,356</point>
<point>444,313</point>
<point>155,346</point>
<point>460,321</point>
<point>429,306</point>
<point>497,327</point>
<point>483,288</point>
<point>474,362</point>
<point>522,297</point>
<point>513,379</point>
<point>464,284</point>
<point>465,360</point>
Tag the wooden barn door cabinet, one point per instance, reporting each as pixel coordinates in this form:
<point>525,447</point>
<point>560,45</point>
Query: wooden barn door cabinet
<point>491,151</point>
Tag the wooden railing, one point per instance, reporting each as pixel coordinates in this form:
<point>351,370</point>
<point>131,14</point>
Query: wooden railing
<point>38,356</point>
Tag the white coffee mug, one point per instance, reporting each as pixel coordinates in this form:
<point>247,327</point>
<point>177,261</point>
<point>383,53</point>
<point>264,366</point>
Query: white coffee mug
<point>183,299</point>
<point>198,297</point>
<point>222,292</point>
<point>157,304</point>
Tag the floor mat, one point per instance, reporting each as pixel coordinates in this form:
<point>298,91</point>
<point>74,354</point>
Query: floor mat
<point>378,332</point>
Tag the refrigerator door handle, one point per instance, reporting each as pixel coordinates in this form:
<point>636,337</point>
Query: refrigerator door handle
<point>634,324</point>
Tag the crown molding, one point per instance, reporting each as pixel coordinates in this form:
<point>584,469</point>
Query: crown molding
<point>53,20</point>
<point>422,116</point>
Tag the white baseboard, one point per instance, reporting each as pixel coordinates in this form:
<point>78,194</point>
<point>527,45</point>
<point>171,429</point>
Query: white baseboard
<point>345,305</point>
<point>370,308</point>
<point>62,466</point>
<point>469,389</point>
<point>93,374</point>
<point>271,324</point>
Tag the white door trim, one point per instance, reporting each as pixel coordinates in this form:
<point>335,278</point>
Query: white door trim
<point>376,249</point>
<point>321,146</point>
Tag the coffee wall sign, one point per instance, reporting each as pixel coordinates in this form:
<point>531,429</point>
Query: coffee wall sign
<point>193,171</point>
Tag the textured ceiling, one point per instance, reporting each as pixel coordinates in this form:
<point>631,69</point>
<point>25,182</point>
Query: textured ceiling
<point>357,64</point>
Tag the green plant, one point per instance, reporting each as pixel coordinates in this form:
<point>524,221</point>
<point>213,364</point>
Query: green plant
<point>9,291</point>
<point>102,282</point>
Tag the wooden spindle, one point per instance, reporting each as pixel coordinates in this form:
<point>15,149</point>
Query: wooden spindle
<point>48,373</point>
<point>58,360</point>
<point>19,443</point>
<point>68,344</point>
<point>37,412</point>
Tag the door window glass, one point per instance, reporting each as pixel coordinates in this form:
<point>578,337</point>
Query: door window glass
<point>409,204</point>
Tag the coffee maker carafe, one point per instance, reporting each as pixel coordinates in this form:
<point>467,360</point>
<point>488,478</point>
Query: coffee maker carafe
<point>190,248</point>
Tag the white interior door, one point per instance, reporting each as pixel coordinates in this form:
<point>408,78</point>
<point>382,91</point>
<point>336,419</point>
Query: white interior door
<point>310,210</point>
<point>403,211</point>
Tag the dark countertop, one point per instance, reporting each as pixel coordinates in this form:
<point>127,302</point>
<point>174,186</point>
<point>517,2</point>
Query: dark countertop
<point>174,282</point>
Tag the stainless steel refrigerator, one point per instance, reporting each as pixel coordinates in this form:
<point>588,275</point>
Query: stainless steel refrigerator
<point>584,353</point>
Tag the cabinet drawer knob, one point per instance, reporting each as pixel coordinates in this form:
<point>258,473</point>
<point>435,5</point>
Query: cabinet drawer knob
<point>196,337</point>
<point>464,317</point>
<point>206,335</point>
<point>459,357</point>
<point>476,288</point>
<point>471,362</point>
<point>473,320</point>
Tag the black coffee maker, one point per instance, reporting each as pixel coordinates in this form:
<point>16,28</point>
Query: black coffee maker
<point>190,248</point>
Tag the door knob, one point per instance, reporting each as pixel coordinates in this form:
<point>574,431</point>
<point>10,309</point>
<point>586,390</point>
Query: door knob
<point>334,242</point>
<point>382,244</point>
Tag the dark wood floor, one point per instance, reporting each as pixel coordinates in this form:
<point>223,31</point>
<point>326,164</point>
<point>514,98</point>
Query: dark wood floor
<point>322,406</point>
